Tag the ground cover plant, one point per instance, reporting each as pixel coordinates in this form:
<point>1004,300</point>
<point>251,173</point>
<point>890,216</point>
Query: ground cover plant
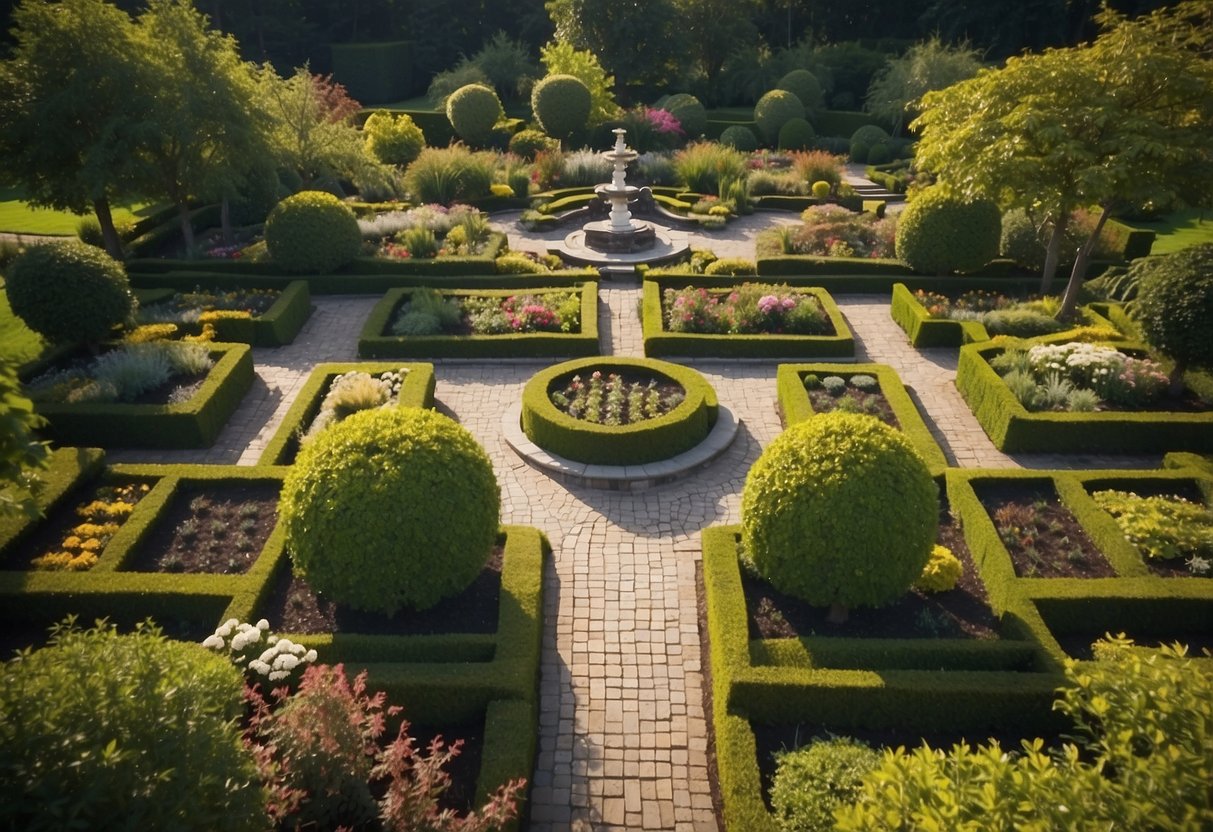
<point>149,373</point>
<point>859,393</point>
<point>751,308</point>
<point>428,312</point>
<point>614,399</point>
<point>193,307</point>
<point>1174,534</point>
<point>74,539</point>
<point>831,231</point>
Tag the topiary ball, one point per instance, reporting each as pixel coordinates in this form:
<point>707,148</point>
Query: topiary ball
<point>691,114</point>
<point>473,110</point>
<point>864,139</point>
<point>312,231</point>
<point>392,507</point>
<point>805,86</point>
<point>561,105</point>
<point>942,572</point>
<point>393,139</point>
<point>796,134</point>
<point>530,143</point>
<point>773,111</point>
<point>739,137</point>
<point>841,511</point>
<point>69,292</point>
<point>822,189</point>
<point>939,233</point>
<point>1175,307</point>
<point>731,266</point>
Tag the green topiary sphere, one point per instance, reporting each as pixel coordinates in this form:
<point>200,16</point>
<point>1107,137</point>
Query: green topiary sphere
<point>530,143</point>
<point>561,105</point>
<point>805,86</point>
<point>773,111</point>
<point>473,110</point>
<point>822,189</point>
<point>393,139</point>
<point>796,134</point>
<point>691,114</point>
<point>312,232</point>
<point>125,731</point>
<point>1175,307</point>
<point>69,292</point>
<point>864,139</point>
<point>392,507</point>
<point>739,137</point>
<point>939,234</point>
<point>841,511</point>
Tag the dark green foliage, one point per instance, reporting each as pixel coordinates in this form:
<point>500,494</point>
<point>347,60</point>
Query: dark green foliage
<point>449,174</point>
<point>406,464</point>
<point>882,153</point>
<point>529,143</point>
<point>691,114</point>
<point>863,140</point>
<point>774,110</point>
<point>1175,306</point>
<point>69,292</point>
<point>561,105</point>
<point>1021,323</point>
<point>796,134</point>
<point>840,510</point>
<point>472,111</point>
<point>130,731</point>
<point>312,232</point>
<point>940,234</point>
<point>1021,240</point>
<point>740,137</point>
<point>393,139</point>
<point>806,87</point>
<point>20,454</point>
<point>374,73</point>
<point>812,780</point>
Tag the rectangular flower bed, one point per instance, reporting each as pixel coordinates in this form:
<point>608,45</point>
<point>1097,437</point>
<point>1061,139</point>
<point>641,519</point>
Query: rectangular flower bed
<point>416,390</point>
<point>377,340</point>
<point>195,423</point>
<point>1015,429</point>
<point>659,340</point>
<point>277,325</point>
<point>796,401</point>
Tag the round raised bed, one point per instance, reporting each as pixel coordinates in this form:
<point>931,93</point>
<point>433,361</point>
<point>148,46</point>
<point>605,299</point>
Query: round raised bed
<point>650,440</point>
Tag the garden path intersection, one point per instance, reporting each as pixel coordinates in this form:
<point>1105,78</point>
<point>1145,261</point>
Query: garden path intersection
<point>623,735</point>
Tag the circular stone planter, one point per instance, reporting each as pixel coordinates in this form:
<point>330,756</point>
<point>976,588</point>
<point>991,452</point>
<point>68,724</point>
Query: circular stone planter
<point>651,440</point>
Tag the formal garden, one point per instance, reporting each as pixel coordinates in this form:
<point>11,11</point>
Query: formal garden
<point>337,491</point>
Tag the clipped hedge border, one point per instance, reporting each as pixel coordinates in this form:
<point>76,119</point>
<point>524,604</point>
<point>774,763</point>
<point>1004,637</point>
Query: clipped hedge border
<point>65,467</point>
<point>192,424</point>
<point>892,271</point>
<point>347,284</point>
<point>1014,429</point>
<point>277,327</point>
<point>658,341</point>
<point>417,390</point>
<point>795,405</point>
<point>375,343</point>
<point>651,440</point>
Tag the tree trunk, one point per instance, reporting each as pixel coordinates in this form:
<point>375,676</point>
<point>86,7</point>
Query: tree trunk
<point>1069,303</point>
<point>187,227</point>
<point>1053,254</point>
<point>225,222</point>
<point>838,614</point>
<point>113,243</point>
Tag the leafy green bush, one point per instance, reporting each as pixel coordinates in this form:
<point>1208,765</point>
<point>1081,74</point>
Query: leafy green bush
<point>393,139</point>
<point>805,86</point>
<point>1020,323</point>
<point>774,110</point>
<point>691,114</point>
<point>1162,527</point>
<point>457,77</point>
<point>702,166</point>
<point>562,58</point>
<point>561,105</point>
<point>312,232</point>
<point>472,111</point>
<point>731,266</point>
<point>449,174</point>
<point>864,139</point>
<point>796,134</point>
<point>21,456</point>
<point>840,510</point>
<point>515,263</point>
<point>1175,309</point>
<point>810,782</point>
<point>940,234</point>
<point>101,731</point>
<point>740,137</point>
<point>69,292</point>
<point>942,572</point>
<point>358,509</point>
<point>821,189</point>
<point>529,143</point>
<point>1021,241</point>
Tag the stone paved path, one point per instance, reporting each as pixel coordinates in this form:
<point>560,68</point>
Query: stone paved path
<point>623,737</point>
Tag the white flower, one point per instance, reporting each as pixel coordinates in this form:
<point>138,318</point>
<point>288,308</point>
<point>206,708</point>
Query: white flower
<point>263,624</point>
<point>213,643</point>
<point>259,667</point>
<point>268,655</point>
<point>310,656</point>
<point>279,674</point>
<point>286,662</point>
<point>224,631</point>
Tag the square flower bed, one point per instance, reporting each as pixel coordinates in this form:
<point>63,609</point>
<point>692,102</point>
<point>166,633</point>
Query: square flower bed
<point>263,317</point>
<point>500,323</point>
<point>731,319</point>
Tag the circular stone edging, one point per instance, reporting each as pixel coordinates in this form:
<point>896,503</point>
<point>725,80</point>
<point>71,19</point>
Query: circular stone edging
<point>621,477</point>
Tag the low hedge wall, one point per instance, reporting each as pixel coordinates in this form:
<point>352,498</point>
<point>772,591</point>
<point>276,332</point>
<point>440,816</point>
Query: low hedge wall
<point>346,284</point>
<point>277,327</point>
<point>658,341</point>
<point>417,390</point>
<point>192,424</point>
<point>651,440</point>
<point>1014,429</point>
<point>795,405</point>
<point>375,343</point>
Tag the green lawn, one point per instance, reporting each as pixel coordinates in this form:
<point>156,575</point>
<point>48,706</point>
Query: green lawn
<point>18,217</point>
<point>18,343</point>
<point>1180,230</point>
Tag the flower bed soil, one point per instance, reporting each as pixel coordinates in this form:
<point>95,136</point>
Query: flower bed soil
<point>669,391</point>
<point>963,612</point>
<point>1043,538</point>
<point>211,530</point>
<point>873,404</point>
<point>294,607</point>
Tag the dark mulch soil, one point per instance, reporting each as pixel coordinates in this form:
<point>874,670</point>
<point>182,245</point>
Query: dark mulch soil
<point>1042,536</point>
<point>1078,645</point>
<point>1173,568</point>
<point>855,401</point>
<point>211,529</point>
<point>293,607</point>
<point>17,635</point>
<point>963,612</point>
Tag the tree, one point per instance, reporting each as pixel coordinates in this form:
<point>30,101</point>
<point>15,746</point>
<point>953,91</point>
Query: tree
<point>562,59</point>
<point>1175,308</point>
<point>71,99</point>
<point>635,41</point>
<point>1122,122</point>
<point>930,65</point>
<point>714,29</point>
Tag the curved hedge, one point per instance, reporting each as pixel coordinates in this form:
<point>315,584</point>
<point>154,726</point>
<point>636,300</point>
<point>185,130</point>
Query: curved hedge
<point>649,441</point>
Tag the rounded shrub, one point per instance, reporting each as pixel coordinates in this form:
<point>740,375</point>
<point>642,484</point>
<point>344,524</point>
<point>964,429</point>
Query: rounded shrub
<point>530,143</point>
<point>1175,307</point>
<point>130,730</point>
<point>561,105</point>
<point>1020,240</point>
<point>473,110</point>
<point>821,189</point>
<point>841,511</point>
<point>690,112</point>
<point>882,153</point>
<point>312,231</point>
<point>864,139</point>
<point>773,111</point>
<point>731,266</point>
<point>942,572</point>
<point>739,137</point>
<point>796,134</point>
<point>359,507</point>
<point>69,292</point>
<point>393,139</point>
<point>805,86</point>
<point>939,233</point>
<point>811,781</point>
